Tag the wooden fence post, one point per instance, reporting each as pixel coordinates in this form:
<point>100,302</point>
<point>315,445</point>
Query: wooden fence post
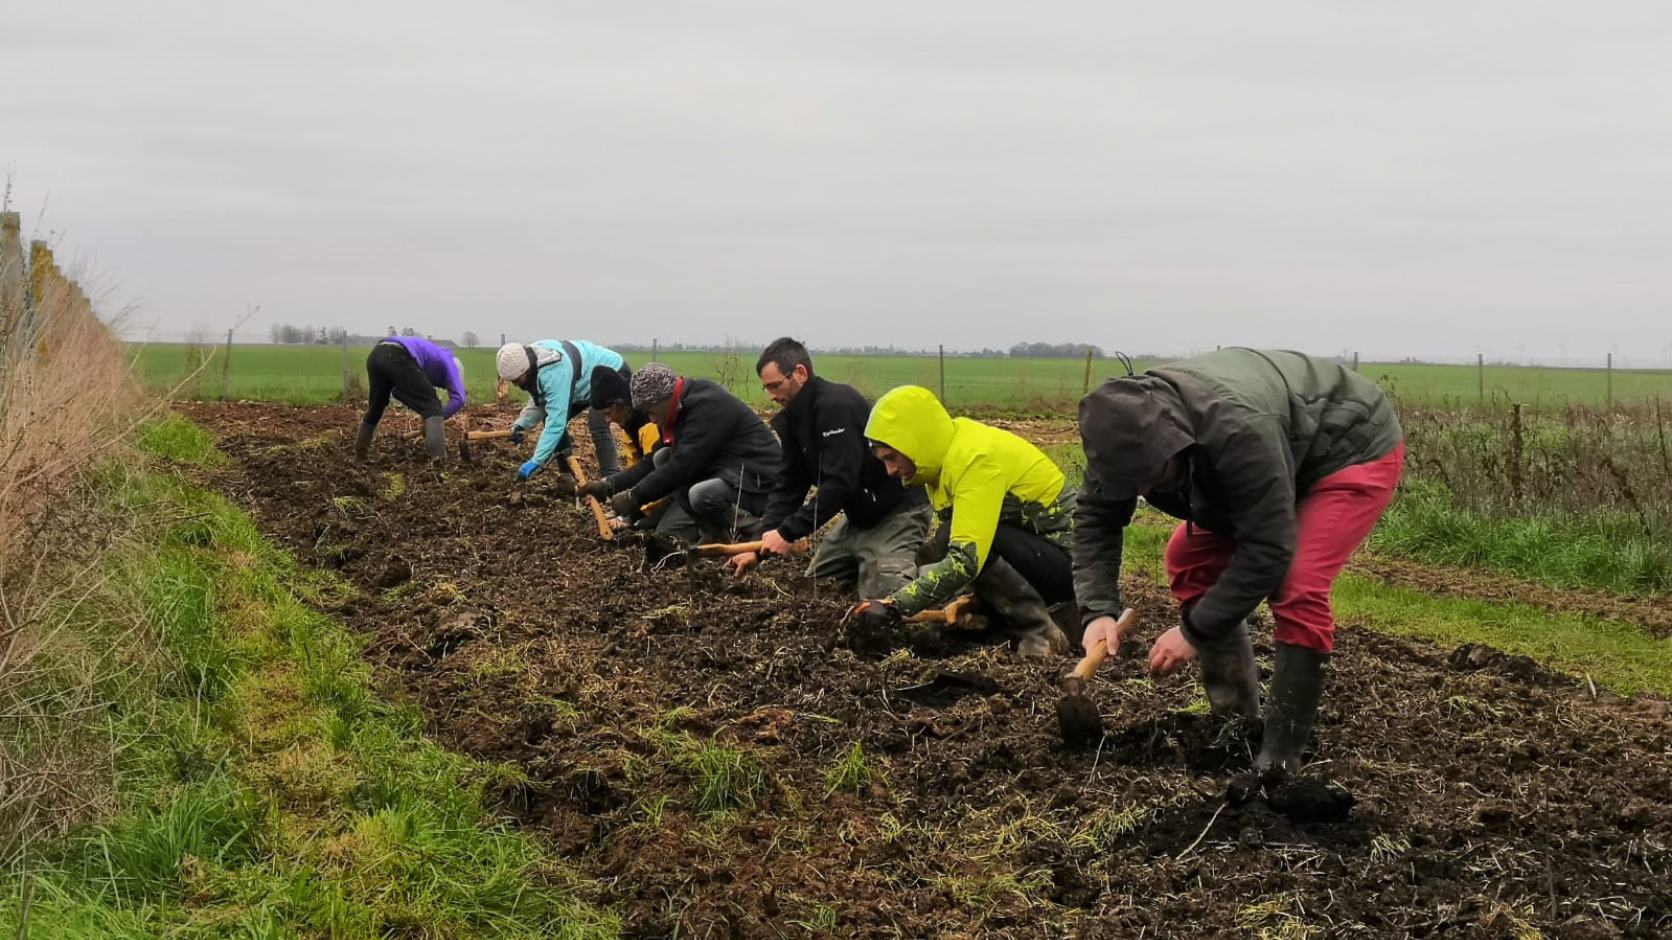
<point>345,364</point>
<point>1086,385</point>
<point>226,365</point>
<point>1609,379</point>
<point>11,276</point>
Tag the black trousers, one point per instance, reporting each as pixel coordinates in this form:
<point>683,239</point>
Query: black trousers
<point>391,370</point>
<point>1045,564</point>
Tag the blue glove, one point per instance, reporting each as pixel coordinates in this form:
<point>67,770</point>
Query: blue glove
<point>517,435</point>
<point>527,470</point>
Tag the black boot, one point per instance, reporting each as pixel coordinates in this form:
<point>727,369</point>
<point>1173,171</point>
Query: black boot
<point>1229,676</point>
<point>435,438</point>
<point>363,441</point>
<point>1297,682</point>
<point>1020,604</point>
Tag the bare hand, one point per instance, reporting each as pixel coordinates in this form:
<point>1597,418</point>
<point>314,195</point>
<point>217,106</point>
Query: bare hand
<point>740,564</point>
<point>1171,650</point>
<point>1102,628</point>
<point>774,544</point>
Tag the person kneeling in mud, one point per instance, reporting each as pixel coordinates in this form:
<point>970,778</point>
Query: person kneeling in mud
<point>1006,519</point>
<point>612,397</point>
<point>1279,464</point>
<point>411,369</point>
<point>717,462</point>
<point>880,524</point>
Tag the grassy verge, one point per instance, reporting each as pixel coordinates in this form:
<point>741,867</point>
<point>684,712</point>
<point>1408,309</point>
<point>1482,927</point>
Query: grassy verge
<point>260,787</point>
<point>1602,549</point>
<point>1617,655</point>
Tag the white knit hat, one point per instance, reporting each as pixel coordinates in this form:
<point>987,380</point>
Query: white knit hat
<point>512,361</point>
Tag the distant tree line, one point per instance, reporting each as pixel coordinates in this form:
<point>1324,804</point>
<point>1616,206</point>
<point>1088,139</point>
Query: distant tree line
<point>1055,351</point>
<point>1020,350</point>
<point>291,334</point>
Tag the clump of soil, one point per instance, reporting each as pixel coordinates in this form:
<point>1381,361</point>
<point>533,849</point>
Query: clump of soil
<point>723,759</point>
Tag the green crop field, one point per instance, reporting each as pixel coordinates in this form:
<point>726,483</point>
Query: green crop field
<point>304,374</point>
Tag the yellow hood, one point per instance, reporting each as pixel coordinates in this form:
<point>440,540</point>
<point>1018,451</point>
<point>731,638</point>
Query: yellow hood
<point>912,421</point>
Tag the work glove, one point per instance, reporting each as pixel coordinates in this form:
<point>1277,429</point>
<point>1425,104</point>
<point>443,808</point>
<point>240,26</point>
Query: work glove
<point>874,616</point>
<point>623,504</point>
<point>517,435</point>
<point>527,469</point>
<point>597,489</point>
<point>564,486</point>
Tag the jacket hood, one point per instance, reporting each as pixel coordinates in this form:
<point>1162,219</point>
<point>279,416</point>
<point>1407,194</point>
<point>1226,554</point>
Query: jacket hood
<point>912,421</point>
<point>1131,427</point>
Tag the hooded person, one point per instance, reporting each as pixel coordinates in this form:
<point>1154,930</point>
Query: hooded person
<point>1006,518</point>
<point>1279,465</point>
<point>557,375</point>
<point>411,369</point>
<point>717,461</point>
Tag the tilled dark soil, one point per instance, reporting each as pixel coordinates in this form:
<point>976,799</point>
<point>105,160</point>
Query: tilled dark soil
<point>680,735</point>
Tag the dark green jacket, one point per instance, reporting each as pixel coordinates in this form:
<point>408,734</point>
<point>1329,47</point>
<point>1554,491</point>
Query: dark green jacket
<point>1255,430</point>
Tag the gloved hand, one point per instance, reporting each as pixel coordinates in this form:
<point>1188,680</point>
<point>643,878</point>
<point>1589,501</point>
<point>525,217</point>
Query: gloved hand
<point>517,435</point>
<point>597,489</point>
<point>527,470</point>
<point>874,615</point>
<point>624,505</point>
<point>564,486</point>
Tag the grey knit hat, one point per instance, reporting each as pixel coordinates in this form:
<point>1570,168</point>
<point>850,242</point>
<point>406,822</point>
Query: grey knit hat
<point>652,384</point>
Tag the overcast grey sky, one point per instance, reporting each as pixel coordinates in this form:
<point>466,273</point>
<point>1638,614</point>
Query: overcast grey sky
<point>1410,178</point>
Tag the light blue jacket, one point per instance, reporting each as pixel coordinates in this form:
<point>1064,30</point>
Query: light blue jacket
<point>556,380</point>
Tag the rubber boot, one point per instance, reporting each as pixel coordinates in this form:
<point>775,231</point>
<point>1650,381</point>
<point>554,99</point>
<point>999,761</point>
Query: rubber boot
<point>1229,676</point>
<point>363,442</point>
<point>1010,594</point>
<point>435,438</point>
<point>1297,682</point>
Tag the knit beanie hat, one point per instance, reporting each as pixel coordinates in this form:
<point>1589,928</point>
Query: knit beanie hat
<point>652,384</point>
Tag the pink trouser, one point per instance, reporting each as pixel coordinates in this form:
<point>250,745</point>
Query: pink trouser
<point>1333,518</point>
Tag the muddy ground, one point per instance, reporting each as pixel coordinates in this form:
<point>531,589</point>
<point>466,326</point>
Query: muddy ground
<point>688,741</point>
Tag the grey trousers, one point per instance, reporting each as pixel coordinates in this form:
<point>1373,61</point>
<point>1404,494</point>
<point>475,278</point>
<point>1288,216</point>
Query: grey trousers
<point>877,561</point>
<point>603,441</point>
<point>708,511</point>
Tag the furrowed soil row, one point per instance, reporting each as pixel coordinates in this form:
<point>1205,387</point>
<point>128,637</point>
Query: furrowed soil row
<point>715,755</point>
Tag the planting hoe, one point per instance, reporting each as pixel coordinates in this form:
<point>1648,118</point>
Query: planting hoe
<point>604,531</point>
<point>1077,715</point>
<point>464,442</point>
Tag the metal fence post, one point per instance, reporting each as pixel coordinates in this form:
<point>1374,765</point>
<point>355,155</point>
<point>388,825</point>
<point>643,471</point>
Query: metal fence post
<point>943,374</point>
<point>1609,380</point>
<point>1480,374</point>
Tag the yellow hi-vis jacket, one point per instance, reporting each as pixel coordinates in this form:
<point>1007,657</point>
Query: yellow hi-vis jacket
<point>978,476</point>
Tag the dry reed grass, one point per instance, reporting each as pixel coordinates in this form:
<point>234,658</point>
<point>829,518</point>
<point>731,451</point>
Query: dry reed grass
<point>67,396</point>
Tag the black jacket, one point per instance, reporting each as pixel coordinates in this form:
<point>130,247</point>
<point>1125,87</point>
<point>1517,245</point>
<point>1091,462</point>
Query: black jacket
<point>1254,429</point>
<point>823,434</point>
<point>713,435</point>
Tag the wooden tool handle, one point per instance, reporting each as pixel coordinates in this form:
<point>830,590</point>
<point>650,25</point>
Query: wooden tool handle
<point>486,435</point>
<point>728,548</point>
<point>1100,649</point>
<point>604,531</point>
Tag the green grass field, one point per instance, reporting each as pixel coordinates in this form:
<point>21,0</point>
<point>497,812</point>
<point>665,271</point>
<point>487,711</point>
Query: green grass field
<point>304,374</point>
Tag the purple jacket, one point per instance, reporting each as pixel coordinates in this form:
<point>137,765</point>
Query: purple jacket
<point>438,366</point>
